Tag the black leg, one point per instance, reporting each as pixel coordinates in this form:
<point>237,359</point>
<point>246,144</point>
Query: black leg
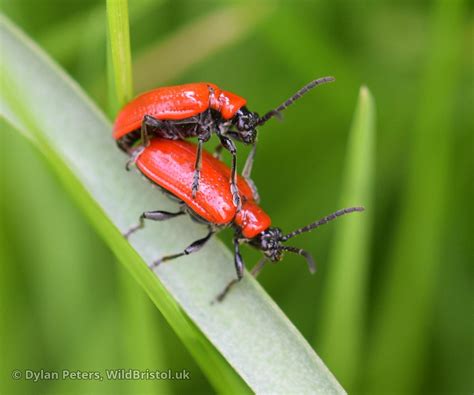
<point>193,247</point>
<point>153,216</point>
<point>229,145</point>
<point>258,267</point>
<point>204,135</point>
<point>254,189</point>
<point>133,157</point>
<point>239,267</point>
<point>225,291</point>
<point>197,168</point>
<point>255,272</point>
<point>147,123</point>
<point>246,173</point>
<point>238,261</point>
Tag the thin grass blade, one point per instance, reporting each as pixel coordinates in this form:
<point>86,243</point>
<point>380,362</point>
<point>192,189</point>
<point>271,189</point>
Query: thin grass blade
<point>119,38</point>
<point>407,294</point>
<point>344,305</point>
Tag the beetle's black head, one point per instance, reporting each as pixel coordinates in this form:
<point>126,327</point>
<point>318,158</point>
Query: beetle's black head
<point>269,242</point>
<point>245,123</point>
<point>272,241</point>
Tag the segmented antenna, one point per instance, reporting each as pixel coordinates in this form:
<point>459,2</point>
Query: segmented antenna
<point>305,89</point>
<point>322,221</point>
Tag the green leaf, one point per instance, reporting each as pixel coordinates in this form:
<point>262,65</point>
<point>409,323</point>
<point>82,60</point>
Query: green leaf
<point>248,330</point>
<point>344,299</point>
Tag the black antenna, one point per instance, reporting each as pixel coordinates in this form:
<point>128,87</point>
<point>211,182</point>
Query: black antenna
<point>293,98</point>
<point>322,221</point>
<point>306,254</point>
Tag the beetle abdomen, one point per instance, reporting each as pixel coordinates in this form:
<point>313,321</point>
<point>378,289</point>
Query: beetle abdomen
<point>170,164</point>
<point>176,103</point>
<point>166,103</point>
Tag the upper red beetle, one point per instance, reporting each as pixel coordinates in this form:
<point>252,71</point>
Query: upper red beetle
<point>196,110</point>
<point>169,164</point>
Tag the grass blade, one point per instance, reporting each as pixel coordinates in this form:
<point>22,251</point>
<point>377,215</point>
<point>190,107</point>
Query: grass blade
<point>144,340</point>
<point>119,38</point>
<point>249,331</point>
<point>341,329</point>
<point>407,297</point>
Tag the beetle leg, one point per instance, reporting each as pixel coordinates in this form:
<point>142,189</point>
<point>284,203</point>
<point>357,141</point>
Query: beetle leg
<point>153,216</point>
<point>255,272</point>
<point>239,267</point>
<point>249,162</point>
<point>258,267</point>
<point>148,121</point>
<point>253,188</point>
<point>239,262</point>
<point>224,292</point>
<point>246,173</point>
<point>165,129</point>
<point>204,135</point>
<point>207,121</point>
<point>197,168</point>
<point>224,128</point>
<point>230,146</point>
<point>193,247</point>
<point>133,158</point>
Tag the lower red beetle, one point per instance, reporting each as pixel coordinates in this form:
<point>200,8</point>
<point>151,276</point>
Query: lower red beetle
<point>196,110</point>
<point>169,165</point>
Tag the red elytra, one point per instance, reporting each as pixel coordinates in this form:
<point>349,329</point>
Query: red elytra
<point>176,103</point>
<point>168,164</point>
<point>196,110</point>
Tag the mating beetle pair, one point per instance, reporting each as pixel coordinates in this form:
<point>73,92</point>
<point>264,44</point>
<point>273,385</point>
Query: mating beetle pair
<point>173,165</point>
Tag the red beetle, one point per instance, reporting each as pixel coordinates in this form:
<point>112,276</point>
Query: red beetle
<point>169,165</point>
<point>196,110</point>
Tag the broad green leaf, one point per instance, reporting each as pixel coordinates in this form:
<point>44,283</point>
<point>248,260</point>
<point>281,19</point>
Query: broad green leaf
<point>248,330</point>
<point>344,300</point>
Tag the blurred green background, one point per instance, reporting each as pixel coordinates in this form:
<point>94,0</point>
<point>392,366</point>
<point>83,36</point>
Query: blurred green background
<point>67,304</point>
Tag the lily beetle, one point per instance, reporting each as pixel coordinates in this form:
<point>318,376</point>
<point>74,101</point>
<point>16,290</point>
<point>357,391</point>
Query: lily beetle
<point>196,110</point>
<point>169,165</point>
